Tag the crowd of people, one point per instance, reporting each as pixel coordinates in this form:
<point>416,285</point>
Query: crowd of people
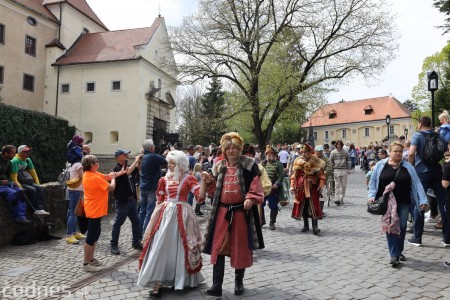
<point>239,180</point>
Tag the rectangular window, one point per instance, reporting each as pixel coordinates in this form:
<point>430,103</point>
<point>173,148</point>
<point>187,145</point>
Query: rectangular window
<point>65,88</point>
<point>2,69</point>
<point>30,45</point>
<point>90,87</point>
<point>391,129</point>
<point>344,133</point>
<point>28,82</point>
<point>116,85</point>
<point>366,132</point>
<point>315,135</point>
<point>2,34</point>
<point>326,135</point>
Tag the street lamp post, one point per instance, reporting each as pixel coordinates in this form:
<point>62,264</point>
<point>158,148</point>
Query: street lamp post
<point>432,87</point>
<point>405,132</point>
<point>388,121</point>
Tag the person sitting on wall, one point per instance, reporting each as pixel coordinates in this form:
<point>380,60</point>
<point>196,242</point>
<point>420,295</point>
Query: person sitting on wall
<point>9,190</point>
<point>24,176</point>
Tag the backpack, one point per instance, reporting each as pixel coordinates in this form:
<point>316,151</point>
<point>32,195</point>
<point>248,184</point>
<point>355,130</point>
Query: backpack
<point>371,155</point>
<point>434,149</point>
<point>64,176</point>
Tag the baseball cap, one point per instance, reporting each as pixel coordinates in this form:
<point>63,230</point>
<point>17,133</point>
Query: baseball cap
<point>120,152</point>
<point>299,146</point>
<point>23,148</point>
<point>318,148</point>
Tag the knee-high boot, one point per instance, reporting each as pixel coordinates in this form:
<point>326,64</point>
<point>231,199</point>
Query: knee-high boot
<point>305,219</point>
<point>273,218</point>
<point>218,271</point>
<point>239,285</point>
<point>315,225</point>
<point>263,216</point>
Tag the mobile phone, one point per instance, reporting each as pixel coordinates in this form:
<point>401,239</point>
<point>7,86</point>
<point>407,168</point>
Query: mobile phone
<point>125,164</point>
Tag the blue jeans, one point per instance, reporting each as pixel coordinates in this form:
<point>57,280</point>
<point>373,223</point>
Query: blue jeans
<point>432,180</point>
<point>36,193</point>
<point>146,208</point>
<point>396,243</point>
<point>124,209</point>
<point>72,220</point>
<point>16,203</point>
<point>190,199</point>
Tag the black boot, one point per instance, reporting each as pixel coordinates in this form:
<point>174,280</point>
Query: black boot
<point>305,224</point>
<point>197,210</point>
<point>315,225</point>
<point>263,217</point>
<point>273,218</point>
<point>239,285</point>
<point>218,270</point>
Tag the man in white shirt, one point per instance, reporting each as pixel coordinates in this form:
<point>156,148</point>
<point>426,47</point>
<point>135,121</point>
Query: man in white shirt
<point>283,156</point>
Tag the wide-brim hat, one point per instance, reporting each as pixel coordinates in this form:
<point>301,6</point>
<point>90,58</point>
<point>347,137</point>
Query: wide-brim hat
<point>271,149</point>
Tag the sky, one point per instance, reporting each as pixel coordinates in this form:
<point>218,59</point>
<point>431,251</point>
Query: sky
<point>417,21</point>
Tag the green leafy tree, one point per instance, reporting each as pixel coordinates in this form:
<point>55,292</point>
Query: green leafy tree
<point>410,105</point>
<point>326,42</point>
<point>438,62</point>
<point>212,111</point>
<point>444,7</point>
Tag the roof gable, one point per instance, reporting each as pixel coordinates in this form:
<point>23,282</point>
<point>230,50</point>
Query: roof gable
<point>108,46</point>
<point>355,111</point>
<point>83,7</point>
<point>37,7</point>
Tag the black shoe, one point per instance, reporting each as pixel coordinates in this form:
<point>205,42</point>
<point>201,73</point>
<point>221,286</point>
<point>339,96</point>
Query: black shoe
<point>22,221</point>
<point>137,246</point>
<point>394,261</point>
<point>305,229</point>
<point>337,202</point>
<point>199,213</point>
<point>316,230</point>
<point>401,257</point>
<point>115,250</point>
<point>214,291</point>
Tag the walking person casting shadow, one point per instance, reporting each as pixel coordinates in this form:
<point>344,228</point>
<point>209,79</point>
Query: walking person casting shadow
<point>404,188</point>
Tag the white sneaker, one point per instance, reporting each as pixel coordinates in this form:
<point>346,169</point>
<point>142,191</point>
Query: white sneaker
<point>95,263</point>
<point>431,220</point>
<point>91,268</point>
<point>41,212</point>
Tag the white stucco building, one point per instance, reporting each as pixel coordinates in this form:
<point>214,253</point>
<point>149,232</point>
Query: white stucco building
<point>115,87</point>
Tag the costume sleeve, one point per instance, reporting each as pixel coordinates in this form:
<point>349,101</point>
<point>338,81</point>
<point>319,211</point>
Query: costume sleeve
<point>255,192</point>
<point>265,180</point>
<point>34,175</point>
<point>322,179</point>
<point>293,180</point>
<point>161,190</point>
<point>280,173</point>
<point>194,188</point>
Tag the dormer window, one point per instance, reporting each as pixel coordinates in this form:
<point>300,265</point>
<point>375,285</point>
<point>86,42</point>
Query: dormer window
<point>332,114</point>
<point>368,110</point>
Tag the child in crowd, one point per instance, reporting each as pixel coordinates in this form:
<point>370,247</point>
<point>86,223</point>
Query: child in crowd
<point>369,173</point>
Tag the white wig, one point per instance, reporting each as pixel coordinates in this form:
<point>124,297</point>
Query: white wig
<point>181,161</point>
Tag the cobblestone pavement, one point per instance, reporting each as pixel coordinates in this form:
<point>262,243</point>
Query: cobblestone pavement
<point>349,260</point>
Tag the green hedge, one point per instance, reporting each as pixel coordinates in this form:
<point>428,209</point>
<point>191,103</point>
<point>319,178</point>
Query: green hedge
<point>47,135</point>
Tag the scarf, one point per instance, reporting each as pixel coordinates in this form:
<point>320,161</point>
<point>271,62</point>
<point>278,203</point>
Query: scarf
<point>390,222</point>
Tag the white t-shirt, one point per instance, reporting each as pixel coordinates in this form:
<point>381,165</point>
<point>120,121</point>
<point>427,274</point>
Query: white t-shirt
<point>283,155</point>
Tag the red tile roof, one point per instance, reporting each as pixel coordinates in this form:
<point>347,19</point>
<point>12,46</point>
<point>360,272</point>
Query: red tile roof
<point>37,7</point>
<point>108,46</point>
<point>354,111</point>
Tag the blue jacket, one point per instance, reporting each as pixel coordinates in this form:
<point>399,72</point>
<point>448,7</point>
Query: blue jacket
<point>151,171</point>
<point>418,196</point>
<point>444,130</point>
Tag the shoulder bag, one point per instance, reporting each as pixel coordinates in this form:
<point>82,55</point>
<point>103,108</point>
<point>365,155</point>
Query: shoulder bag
<point>379,206</point>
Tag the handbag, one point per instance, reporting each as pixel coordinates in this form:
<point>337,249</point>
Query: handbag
<point>379,206</point>
<point>24,177</point>
<point>79,209</point>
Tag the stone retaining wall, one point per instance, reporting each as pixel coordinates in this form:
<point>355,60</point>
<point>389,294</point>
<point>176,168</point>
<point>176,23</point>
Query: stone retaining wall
<point>55,203</point>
